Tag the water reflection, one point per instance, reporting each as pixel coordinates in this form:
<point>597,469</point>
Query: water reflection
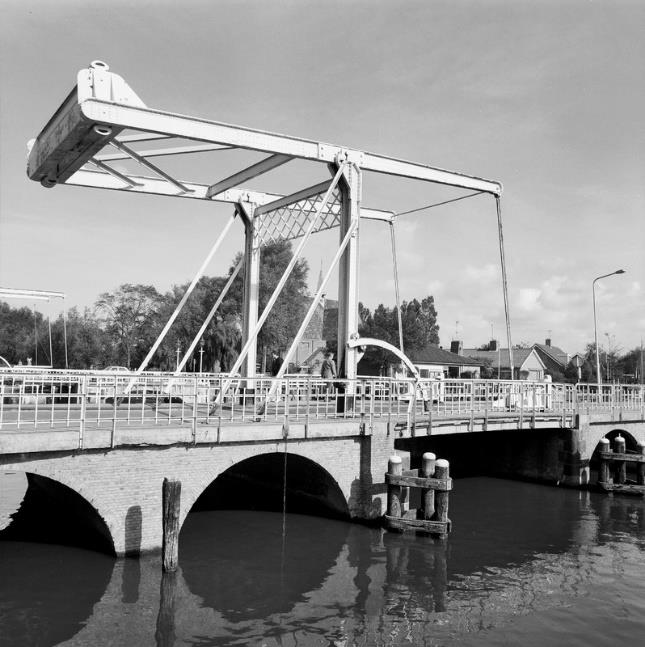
<point>48,592</point>
<point>519,556</point>
<point>165,629</point>
<point>246,571</point>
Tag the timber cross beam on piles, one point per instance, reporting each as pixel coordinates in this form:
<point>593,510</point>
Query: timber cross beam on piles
<point>103,121</point>
<point>612,473</point>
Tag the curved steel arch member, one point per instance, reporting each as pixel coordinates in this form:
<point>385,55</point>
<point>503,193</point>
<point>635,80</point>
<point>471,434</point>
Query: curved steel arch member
<point>370,341</point>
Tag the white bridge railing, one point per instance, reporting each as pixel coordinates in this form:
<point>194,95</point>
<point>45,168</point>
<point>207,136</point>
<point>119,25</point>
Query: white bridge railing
<point>54,399</point>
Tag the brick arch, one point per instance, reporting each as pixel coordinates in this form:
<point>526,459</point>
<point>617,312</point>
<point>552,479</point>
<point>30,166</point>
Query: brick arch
<point>608,432</point>
<point>631,440</point>
<point>83,504</point>
<point>333,466</point>
<point>594,434</point>
<point>257,483</point>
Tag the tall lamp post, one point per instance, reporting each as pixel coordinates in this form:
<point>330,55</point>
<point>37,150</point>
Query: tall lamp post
<point>595,325</point>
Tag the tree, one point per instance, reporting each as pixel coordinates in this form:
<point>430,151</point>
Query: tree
<point>17,333</point>
<point>487,372</point>
<point>419,326</point>
<point>571,372</point>
<point>130,318</point>
<point>557,376</point>
<point>628,367</point>
<point>223,336</point>
<point>88,345</point>
<point>189,322</point>
<point>286,316</point>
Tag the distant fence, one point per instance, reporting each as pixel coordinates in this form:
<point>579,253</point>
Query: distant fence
<point>55,399</point>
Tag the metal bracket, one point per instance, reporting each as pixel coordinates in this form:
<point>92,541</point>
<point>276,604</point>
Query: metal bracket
<point>245,210</point>
<point>348,155</point>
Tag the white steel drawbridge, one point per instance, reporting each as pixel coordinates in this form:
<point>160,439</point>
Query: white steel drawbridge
<point>103,121</point>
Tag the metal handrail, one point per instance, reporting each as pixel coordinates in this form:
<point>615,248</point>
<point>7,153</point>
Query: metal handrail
<point>64,399</point>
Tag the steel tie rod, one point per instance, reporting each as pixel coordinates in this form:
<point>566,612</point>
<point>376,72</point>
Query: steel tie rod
<point>210,315</point>
<point>113,172</point>
<point>144,162</point>
<point>181,303</point>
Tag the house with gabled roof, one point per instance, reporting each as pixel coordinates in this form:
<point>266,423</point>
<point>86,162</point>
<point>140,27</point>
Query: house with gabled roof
<point>555,359</point>
<point>527,364</point>
<point>434,361</point>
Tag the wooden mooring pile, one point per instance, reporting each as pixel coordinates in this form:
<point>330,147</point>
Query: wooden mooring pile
<point>435,484</point>
<point>612,476</point>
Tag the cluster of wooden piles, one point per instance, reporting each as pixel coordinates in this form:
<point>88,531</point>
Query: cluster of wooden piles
<point>434,481</point>
<point>612,475</point>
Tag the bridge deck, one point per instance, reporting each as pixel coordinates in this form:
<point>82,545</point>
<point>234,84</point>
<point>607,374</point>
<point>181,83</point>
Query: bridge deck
<point>107,434</point>
<point>161,405</point>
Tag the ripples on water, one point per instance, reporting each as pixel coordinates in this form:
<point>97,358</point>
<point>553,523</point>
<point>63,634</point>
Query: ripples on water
<point>525,564</point>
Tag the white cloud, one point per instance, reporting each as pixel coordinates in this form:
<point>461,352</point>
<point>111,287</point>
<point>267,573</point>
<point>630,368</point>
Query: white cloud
<point>528,300</point>
<point>635,289</point>
<point>485,274</point>
<point>435,287</point>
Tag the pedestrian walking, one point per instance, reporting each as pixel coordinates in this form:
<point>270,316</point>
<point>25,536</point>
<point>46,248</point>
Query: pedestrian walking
<point>328,372</point>
<point>276,363</point>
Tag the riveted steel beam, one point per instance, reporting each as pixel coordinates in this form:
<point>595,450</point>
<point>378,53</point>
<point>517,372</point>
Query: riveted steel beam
<point>286,200</point>
<point>104,99</point>
<point>162,152</point>
<point>217,132</point>
<point>108,169</point>
<point>149,165</point>
<point>156,186</point>
<point>249,173</point>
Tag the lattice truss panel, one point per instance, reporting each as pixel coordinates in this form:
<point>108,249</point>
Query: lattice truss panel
<point>292,220</point>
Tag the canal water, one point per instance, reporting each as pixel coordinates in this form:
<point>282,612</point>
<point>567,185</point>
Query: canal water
<point>525,564</point>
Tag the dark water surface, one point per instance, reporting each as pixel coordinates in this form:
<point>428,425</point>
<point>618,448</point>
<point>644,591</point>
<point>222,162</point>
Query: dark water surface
<point>525,565</point>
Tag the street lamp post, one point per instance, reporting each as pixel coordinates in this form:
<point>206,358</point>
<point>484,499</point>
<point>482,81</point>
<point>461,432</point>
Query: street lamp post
<point>608,351</point>
<point>595,325</point>
<point>201,353</point>
<point>178,353</point>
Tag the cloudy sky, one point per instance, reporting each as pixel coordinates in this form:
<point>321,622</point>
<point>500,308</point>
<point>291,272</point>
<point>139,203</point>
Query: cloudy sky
<point>546,97</point>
